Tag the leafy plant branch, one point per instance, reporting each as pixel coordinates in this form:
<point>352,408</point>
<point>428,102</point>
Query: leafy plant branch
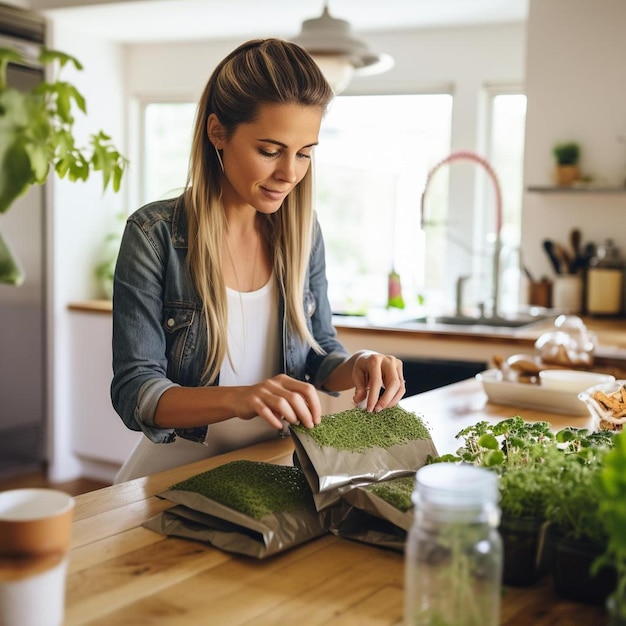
<point>37,132</point>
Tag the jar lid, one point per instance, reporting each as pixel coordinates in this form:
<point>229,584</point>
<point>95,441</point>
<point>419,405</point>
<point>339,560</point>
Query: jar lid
<point>455,486</point>
<point>606,253</point>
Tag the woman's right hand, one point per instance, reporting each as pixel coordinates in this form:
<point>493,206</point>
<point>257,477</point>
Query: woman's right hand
<point>281,398</point>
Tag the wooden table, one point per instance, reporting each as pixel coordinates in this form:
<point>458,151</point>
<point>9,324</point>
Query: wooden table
<point>121,573</point>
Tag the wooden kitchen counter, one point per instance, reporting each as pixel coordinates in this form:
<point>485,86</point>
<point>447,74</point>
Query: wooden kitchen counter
<point>611,332</point>
<point>121,573</point>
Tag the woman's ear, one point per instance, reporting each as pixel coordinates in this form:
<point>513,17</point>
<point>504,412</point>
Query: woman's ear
<point>215,131</point>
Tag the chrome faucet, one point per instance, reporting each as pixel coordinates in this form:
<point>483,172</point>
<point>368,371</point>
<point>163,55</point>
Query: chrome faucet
<point>466,155</point>
<point>460,282</point>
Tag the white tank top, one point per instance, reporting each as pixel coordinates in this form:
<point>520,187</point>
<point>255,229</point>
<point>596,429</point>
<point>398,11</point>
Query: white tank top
<point>255,347</point>
<point>253,336</point>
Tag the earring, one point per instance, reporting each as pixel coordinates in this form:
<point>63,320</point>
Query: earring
<point>219,158</point>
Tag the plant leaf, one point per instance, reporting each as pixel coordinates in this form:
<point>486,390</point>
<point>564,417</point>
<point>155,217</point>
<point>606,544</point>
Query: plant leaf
<point>38,156</point>
<point>7,55</point>
<point>10,271</point>
<point>16,175</point>
<point>36,132</point>
<point>47,56</point>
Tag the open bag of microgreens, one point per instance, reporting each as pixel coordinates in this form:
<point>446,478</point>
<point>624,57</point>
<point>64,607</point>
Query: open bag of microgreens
<point>378,513</point>
<point>247,507</point>
<point>355,448</point>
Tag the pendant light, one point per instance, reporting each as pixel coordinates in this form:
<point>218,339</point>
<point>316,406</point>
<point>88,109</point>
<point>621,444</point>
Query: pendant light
<point>337,52</point>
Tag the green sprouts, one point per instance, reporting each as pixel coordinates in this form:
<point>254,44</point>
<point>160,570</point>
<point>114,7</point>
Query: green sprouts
<point>357,430</point>
<point>396,491</point>
<point>613,515</point>
<point>253,488</point>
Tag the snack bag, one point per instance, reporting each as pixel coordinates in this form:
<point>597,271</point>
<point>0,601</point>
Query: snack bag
<point>356,447</point>
<point>248,507</point>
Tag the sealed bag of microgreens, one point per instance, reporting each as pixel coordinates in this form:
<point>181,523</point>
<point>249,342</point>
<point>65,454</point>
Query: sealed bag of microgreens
<point>247,507</point>
<point>378,513</point>
<point>356,447</point>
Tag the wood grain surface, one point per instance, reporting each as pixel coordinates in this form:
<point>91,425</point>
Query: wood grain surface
<point>121,573</point>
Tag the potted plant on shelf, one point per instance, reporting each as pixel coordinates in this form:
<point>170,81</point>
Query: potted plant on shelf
<point>37,131</point>
<point>613,516</point>
<point>567,170</point>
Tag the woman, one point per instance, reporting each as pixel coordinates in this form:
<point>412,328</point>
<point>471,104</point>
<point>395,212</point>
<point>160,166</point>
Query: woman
<point>222,330</point>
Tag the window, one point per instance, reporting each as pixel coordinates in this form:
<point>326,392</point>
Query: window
<point>167,133</point>
<point>370,168</point>
<point>507,122</point>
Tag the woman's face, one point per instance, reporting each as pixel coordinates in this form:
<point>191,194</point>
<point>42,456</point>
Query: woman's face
<point>265,159</point>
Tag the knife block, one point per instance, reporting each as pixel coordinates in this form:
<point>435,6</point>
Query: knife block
<point>540,293</point>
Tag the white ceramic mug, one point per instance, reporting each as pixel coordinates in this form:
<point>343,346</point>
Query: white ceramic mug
<point>35,533</point>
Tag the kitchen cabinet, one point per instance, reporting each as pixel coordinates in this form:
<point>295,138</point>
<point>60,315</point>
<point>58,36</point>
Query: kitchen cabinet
<point>100,440</point>
<point>470,346</point>
<point>452,355</point>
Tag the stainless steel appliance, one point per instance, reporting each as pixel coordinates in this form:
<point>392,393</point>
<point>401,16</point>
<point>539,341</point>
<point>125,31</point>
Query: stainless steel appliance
<point>23,309</point>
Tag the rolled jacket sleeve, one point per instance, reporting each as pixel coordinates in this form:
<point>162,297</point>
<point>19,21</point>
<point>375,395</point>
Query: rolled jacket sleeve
<point>159,332</point>
<point>139,346</point>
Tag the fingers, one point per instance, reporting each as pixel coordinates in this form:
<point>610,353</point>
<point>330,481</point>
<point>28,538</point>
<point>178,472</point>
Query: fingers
<point>391,396</point>
<point>380,380</point>
<point>284,398</point>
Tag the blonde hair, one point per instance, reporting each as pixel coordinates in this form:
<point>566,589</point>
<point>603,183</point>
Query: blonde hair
<point>258,72</point>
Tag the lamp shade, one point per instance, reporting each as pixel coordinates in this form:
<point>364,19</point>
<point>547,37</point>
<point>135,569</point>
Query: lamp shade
<point>337,70</point>
<point>338,53</point>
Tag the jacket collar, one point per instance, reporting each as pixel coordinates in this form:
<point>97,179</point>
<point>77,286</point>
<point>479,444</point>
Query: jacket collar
<point>180,235</point>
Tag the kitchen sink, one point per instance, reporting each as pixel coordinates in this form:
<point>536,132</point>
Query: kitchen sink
<point>517,320</point>
<point>514,321</point>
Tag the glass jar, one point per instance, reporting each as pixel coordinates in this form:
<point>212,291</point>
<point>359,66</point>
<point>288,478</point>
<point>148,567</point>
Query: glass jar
<point>570,345</point>
<point>605,278</point>
<point>453,556</point>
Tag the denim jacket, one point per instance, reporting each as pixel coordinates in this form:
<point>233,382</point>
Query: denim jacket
<point>159,331</point>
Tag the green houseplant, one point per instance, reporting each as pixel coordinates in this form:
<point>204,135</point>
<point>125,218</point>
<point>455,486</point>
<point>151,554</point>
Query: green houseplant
<point>516,450</point>
<point>530,459</point>
<point>576,526</point>
<point>613,515</point>
<point>37,136</point>
<point>567,156</point>
<point>566,153</point>
<point>105,269</point>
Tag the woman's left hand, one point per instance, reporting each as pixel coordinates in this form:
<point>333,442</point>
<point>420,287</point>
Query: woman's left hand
<point>372,373</point>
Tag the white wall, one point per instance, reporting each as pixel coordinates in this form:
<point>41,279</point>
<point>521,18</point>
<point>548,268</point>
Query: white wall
<point>461,60</point>
<point>575,81</point>
<point>570,57</point>
<point>116,77</point>
<point>81,215</point>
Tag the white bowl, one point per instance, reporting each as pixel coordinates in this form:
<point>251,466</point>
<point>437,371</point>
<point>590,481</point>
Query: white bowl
<point>573,381</point>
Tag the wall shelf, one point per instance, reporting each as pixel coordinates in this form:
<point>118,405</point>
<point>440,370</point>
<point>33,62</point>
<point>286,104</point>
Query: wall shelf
<point>575,190</point>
